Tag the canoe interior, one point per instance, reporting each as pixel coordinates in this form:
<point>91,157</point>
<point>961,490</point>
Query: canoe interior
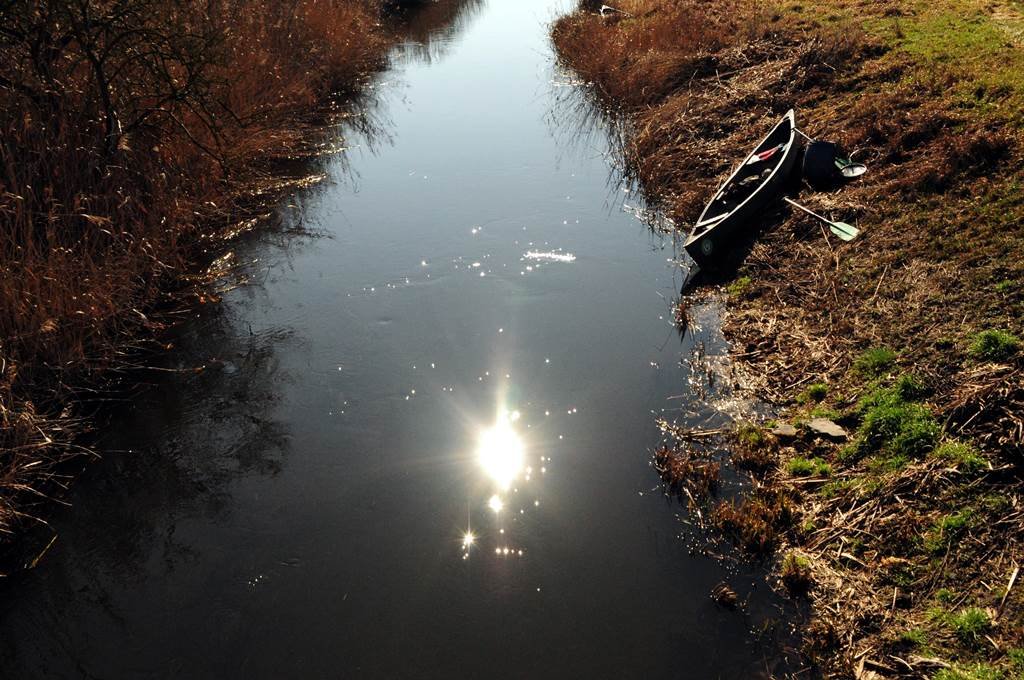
<point>750,176</point>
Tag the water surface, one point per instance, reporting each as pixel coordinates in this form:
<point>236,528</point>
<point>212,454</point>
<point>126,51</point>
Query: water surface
<point>316,503</point>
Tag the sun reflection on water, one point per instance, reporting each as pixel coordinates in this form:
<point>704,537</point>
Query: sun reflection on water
<point>507,463</point>
<point>500,451</point>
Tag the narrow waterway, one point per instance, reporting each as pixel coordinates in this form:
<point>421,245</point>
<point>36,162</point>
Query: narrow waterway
<point>420,446</point>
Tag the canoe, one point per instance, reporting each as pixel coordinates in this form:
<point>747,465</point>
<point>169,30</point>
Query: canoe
<point>742,199</point>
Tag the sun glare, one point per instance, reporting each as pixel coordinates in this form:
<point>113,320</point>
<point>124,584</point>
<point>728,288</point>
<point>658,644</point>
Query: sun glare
<point>501,452</point>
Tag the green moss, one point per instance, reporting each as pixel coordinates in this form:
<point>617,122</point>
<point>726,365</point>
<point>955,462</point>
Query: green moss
<point>825,412</point>
<point>965,457</point>
<point>849,453</point>
<point>902,574</point>
<point>947,530</point>
<point>751,436</point>
<point>836,488</point>
<point>803,467</point>
<point>981,671</point>
<point>995,502</point>
<point>938,615</point>
<point>904,389</point>
<point>1005,287</point>
<point>739,286</point>
<point>1016,657</point>
<point>875,361</point>
<point>883,464</point>
<point>869,486</point>
<point>814,393</point>
<point>796,573</point>
<point>945,595</point>
<point>902,429</point>
<point>970,624</point>
<point>994,345</point>
<point>915,637</point>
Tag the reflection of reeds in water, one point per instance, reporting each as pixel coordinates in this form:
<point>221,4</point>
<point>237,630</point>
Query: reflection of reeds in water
<point>585,123</point>
<point>427,27</point>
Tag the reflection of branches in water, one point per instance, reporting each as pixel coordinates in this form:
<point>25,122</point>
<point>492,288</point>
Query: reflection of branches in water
<point>213,427</point>
<point>428,27</point>
<point>366,123</point>
<point>216,428</point>
<point>581,122</point>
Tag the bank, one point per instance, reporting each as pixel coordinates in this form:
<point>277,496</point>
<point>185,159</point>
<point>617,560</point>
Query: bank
<point>138,144</point>
<point>906,535</point>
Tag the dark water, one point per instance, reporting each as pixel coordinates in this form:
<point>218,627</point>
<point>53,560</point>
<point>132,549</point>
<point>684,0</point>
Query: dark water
<point>300,509</point>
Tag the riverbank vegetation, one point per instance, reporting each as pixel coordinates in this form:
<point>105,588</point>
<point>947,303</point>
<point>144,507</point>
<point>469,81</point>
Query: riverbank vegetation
<point>136,139</point>
<point>906,532</point>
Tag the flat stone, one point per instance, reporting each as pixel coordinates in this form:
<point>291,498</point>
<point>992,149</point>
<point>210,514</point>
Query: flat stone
<point>785,431</point>
<point>826,428</point>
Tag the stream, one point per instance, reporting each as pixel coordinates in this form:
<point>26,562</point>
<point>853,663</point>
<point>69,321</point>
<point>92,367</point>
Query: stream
<point>421,443</point>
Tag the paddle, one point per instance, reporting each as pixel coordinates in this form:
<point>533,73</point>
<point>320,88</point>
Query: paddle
<point>846,232</point>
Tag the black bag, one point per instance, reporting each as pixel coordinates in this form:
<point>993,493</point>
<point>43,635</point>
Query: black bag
<point>820,168</point>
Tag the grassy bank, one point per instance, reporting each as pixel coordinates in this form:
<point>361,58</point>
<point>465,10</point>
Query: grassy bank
<point>138,138</point>
<point>906,534</point>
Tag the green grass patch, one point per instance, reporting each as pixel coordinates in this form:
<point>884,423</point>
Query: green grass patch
<point>965,457</point>
<point>995,502</point>
<point>972,47</point>
<point>1005,287</point>
<point>994,345</point>
<point>836,488</point>
<point>947,530</point>
<point>875,362</point>
<point>894,424</point>
<point>804,467</point>
<point>905,388</point>
<point>902,574</point>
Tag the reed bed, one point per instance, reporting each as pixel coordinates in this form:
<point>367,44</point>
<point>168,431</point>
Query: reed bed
<point>135,138</point>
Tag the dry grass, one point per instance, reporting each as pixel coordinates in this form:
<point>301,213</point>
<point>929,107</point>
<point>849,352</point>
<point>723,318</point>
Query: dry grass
<point>930,96</point>
<point>696,477</point>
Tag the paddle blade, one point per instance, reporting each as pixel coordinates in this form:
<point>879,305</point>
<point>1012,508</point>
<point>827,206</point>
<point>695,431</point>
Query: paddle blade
<point>846,232</point>
<point>853,170</point>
